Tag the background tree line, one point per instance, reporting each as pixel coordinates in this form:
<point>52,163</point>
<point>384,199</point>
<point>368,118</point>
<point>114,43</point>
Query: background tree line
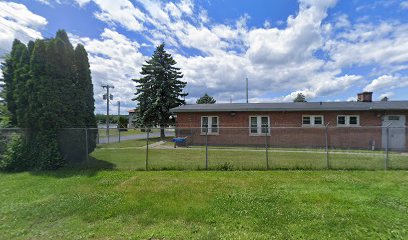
<point>47,87</point>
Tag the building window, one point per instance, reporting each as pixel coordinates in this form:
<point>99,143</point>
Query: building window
<point>311,120</point>
<point>341,120</point>
<point>348,120</point>
<point>259,125</point>
<point>306,120</point>
<point>318,120</point>
<point>210,124</point>
<point>393,118</point>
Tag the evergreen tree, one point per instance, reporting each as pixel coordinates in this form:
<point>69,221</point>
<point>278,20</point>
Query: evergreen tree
<point>4,116</point>
<point>206,99</point>
<point>384,99</point>
<point>85,86</point>
<point>300,98</point>
<point>9,68</point>
<point>48,88</point>
<point>160,89</point>
<point>20,95</point>
<point>85,90</point>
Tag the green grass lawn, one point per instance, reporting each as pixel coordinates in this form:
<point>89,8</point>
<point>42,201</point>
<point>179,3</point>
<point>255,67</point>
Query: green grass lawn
<point>91,204</point>
<point>132,155</point>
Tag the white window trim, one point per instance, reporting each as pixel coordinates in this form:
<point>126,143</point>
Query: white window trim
<point>210,126</point>
<point>312,121</point>
<point>259,127</point>
<point>347,119</point>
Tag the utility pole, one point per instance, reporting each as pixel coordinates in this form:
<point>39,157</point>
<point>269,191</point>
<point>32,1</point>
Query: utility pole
<point>118,109</point>
<point>246,90</point>
<point>107,97</point>
<point>119,126</point>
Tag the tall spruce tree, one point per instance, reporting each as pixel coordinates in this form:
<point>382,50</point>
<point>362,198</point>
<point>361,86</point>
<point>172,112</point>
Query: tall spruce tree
<point>159,90</point>
<point>206,99</point>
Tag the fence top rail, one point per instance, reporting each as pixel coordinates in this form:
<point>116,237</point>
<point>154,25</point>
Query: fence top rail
<point>228,127</point>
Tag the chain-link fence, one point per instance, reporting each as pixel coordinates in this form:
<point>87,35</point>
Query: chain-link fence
<point>233,148</point>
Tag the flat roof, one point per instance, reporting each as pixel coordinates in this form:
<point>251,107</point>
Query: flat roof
<point>293,106</point>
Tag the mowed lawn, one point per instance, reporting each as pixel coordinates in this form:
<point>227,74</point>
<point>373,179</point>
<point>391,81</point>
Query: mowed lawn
<point>131,155</point>
<point>121,204</point>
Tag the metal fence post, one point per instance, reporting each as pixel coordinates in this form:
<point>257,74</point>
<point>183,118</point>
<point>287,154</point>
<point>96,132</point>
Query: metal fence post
<point>387,130</point>
<point>119,133</point>
<point>86,144</point>
<point>107,133</point>
<point>327,146</point>
<point>206,148</point>
<point>266,148</point>
<point>147,149</point>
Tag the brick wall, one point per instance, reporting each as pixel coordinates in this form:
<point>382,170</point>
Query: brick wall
<point>287,130</point>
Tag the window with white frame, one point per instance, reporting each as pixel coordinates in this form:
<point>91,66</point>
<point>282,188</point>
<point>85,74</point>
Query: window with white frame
<point>312,120</point>
<point>258,125</point>
<point>210,124</point>
<point>348,120</point>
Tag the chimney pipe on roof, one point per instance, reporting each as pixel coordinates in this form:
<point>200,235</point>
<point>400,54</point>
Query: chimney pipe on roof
<point>365,97</point>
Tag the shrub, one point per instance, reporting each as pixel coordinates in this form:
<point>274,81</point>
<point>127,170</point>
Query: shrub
<point>122,125</point>
<point>15,155</point>
<point>46,152</point>
<point>226,166</point>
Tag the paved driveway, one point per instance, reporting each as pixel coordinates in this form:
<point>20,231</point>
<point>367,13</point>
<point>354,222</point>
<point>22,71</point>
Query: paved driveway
<point>115,138</point>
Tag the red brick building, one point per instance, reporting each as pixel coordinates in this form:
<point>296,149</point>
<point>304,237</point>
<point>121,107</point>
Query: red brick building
<point>362,124</point>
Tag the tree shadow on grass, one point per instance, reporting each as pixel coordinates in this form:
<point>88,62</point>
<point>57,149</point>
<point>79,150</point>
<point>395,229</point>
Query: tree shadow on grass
<point>87,168</point>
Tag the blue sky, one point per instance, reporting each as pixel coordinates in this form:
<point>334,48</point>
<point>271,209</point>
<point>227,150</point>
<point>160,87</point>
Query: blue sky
<point>327,49</point>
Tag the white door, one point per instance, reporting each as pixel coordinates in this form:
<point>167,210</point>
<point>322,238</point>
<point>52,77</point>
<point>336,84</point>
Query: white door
<point>396,131</point>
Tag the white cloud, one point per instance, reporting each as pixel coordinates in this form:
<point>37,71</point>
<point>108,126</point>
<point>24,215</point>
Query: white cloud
<point>51,2</point>
<point>186,6</point>
<point>404,5</point>
<point>17,21</point>
<point>386,82</point>
<point>342,21</point>
<point>386,94</point>
<point>203,16</point>
<point>119,11</point>
<point>114,60</point>
<point>46,2</point>
<point>384,44</point>
<point>296,43</point>
<point>82,3</point>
